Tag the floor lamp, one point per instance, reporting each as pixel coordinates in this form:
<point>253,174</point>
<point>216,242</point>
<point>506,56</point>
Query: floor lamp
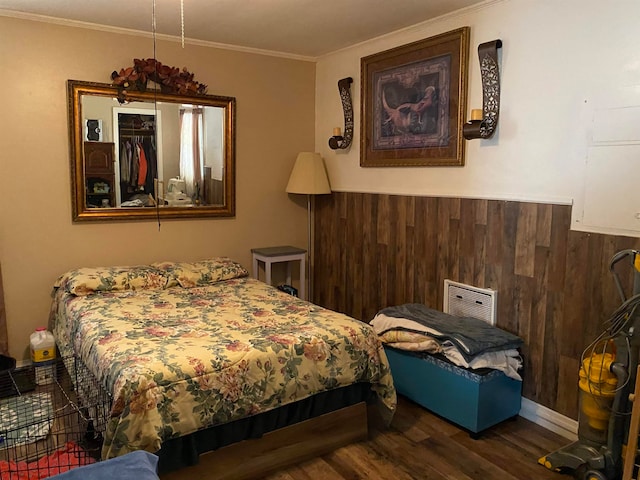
<point>309,177</point>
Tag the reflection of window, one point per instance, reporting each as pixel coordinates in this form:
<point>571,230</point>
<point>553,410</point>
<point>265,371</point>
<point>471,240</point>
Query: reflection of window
<point>191,148</point>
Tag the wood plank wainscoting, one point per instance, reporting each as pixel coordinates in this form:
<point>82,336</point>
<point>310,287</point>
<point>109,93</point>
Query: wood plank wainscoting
<point>554,285</point>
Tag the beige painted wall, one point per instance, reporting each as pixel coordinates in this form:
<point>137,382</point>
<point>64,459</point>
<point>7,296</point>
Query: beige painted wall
<point>38,241</point>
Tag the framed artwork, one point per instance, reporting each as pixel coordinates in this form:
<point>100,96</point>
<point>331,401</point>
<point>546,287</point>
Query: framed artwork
<point>413,101</point>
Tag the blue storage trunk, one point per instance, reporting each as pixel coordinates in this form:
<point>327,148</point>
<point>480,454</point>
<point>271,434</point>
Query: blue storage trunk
<point>474,401</point>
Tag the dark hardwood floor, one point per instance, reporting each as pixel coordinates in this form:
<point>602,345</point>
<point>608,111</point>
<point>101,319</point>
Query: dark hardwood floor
<point>419,445</point>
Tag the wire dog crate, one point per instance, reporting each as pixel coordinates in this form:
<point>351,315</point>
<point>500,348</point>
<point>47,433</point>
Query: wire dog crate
<point>51,428</point>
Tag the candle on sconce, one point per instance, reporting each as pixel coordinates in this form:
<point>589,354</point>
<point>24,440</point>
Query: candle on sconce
<point>476,114</point>
<point>337,132</point>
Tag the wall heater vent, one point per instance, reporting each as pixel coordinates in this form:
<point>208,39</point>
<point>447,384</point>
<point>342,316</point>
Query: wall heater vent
<point>468,301</point>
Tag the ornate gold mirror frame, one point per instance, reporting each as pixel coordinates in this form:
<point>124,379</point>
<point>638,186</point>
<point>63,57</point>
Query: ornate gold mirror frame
<point>212,195</point>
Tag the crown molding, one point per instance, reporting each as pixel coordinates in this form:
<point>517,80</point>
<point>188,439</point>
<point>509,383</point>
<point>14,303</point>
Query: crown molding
<point>139,33</point>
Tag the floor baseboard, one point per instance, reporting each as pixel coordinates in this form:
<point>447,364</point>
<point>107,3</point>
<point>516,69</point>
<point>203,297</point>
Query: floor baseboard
<point>549,419</point>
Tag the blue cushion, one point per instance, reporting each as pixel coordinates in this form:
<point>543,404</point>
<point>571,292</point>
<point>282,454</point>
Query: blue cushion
<point>139,465</point>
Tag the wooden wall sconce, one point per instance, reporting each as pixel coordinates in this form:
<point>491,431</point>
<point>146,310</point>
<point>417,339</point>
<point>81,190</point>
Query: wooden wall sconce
<point>337,140</point>
<point>483,122</point>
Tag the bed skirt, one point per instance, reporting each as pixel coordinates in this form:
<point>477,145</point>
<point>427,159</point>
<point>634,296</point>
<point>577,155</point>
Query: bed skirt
<point>185,451</point>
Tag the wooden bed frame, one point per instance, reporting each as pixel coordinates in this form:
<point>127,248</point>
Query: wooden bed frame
<point>293,444</point>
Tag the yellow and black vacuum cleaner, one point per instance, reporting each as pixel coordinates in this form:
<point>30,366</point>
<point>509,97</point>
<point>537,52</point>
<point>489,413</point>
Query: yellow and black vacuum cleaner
<point>606,378</point>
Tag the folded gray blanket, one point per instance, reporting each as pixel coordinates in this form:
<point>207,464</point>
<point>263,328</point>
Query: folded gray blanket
<point>471,336</point>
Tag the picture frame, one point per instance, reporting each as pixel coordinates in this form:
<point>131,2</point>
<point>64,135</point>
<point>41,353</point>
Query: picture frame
<point>413,101</point>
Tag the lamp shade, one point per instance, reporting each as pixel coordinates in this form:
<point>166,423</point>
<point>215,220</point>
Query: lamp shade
<point>308,175</point>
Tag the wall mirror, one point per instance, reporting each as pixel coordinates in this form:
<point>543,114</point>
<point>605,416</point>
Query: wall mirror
<point>150,154</point>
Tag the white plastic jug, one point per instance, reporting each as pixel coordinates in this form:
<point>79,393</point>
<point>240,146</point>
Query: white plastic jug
<point>43,355</point>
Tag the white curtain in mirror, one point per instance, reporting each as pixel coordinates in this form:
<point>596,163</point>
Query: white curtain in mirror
<point>192,149</point>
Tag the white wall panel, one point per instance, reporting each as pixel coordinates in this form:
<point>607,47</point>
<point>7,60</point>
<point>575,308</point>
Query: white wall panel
<point>558,62</point>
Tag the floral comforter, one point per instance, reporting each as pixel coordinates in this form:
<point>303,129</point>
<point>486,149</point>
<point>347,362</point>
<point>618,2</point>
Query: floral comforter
<point>178,359</point>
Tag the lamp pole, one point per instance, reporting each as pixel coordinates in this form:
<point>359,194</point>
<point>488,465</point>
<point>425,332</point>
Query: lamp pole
<point>309,177</point>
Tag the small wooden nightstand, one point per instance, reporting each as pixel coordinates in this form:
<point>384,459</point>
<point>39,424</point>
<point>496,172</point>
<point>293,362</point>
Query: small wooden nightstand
<point>286,253</point>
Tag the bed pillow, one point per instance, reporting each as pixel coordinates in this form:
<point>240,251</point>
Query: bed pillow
<point>88,280</point>
<point>204,272</point>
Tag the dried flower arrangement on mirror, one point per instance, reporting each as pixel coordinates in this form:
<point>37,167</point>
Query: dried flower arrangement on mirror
<point>170,79</point>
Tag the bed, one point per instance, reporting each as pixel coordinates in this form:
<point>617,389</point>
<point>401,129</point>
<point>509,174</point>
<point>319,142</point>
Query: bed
<point>184,348</point>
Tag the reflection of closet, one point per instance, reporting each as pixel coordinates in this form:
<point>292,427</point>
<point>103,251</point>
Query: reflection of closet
<point>137,156</point>
<point>99,174</point>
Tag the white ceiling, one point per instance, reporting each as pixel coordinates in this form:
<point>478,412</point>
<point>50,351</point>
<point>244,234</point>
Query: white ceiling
<point>307,28</point>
